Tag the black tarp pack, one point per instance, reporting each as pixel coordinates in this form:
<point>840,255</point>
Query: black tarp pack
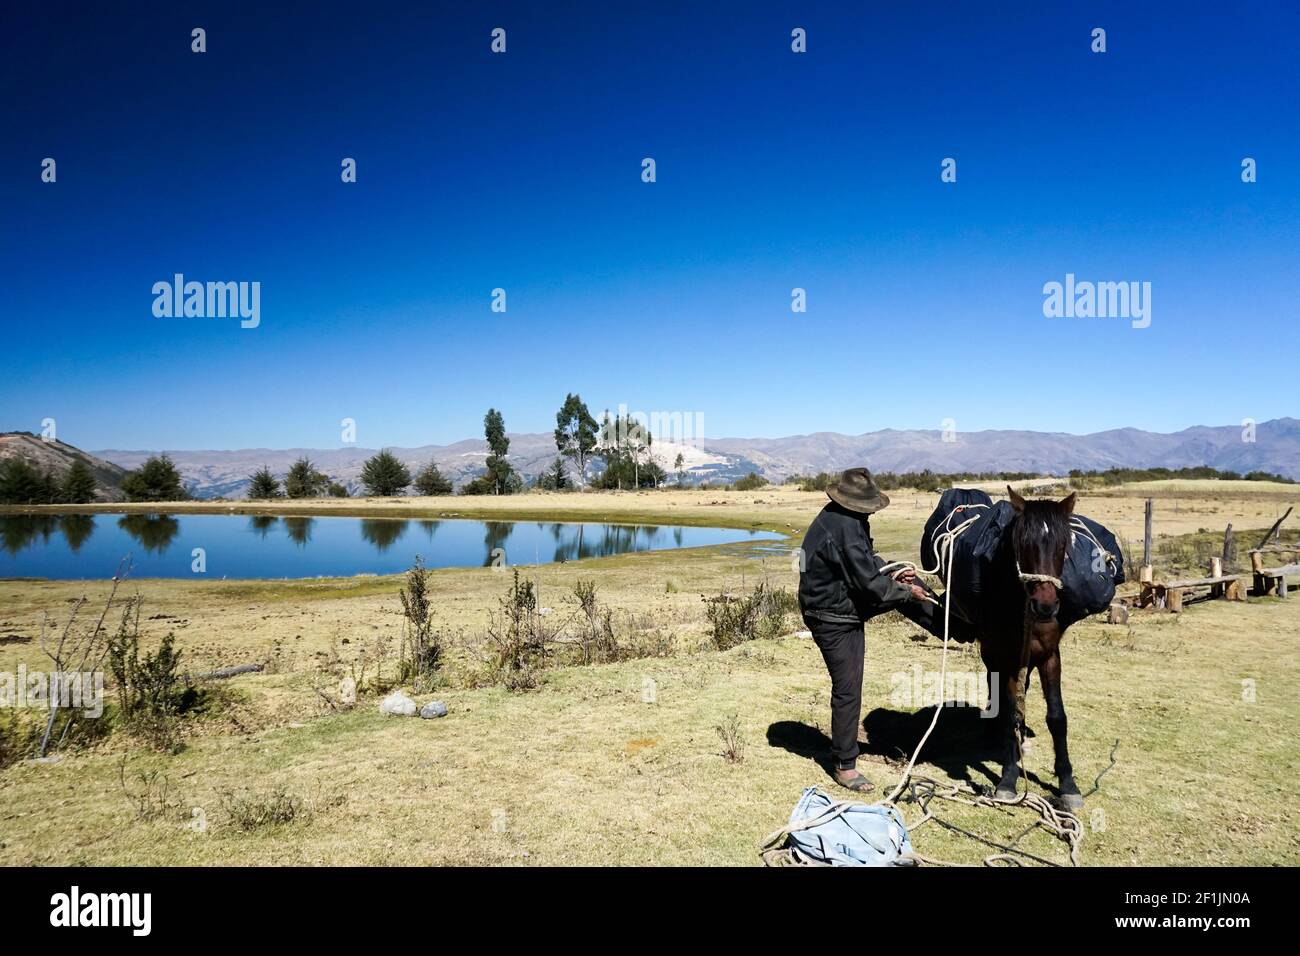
<point>1091,573</point>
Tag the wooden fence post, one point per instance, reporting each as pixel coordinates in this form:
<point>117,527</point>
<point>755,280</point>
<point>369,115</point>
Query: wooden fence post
<point>1146,574</point>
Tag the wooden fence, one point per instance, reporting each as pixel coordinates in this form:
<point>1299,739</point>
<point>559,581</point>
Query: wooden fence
<point>1263,578</point>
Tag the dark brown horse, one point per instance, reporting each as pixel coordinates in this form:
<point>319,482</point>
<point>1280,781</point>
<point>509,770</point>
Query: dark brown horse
<point>1022,633</point>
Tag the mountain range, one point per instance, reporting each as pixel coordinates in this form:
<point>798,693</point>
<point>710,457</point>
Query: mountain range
<point>1275,448</point>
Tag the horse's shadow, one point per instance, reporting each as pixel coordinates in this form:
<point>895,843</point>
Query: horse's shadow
<point>964,745</point>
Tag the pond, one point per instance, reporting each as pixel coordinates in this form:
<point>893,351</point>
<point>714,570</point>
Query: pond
<point>78,546</point>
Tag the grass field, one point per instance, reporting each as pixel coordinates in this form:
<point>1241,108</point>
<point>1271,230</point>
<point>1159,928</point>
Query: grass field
<point>622,763</point>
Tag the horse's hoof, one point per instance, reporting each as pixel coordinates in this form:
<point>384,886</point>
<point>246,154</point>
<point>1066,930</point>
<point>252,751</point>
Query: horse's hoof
<point>1072,801</point>
<point>1004,794</point>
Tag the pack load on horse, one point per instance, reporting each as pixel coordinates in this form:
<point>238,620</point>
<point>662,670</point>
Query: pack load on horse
<point>1092,570</point>
<point>1022,571</point>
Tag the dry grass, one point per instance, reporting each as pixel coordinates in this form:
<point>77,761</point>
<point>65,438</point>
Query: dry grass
<point>622,762</point>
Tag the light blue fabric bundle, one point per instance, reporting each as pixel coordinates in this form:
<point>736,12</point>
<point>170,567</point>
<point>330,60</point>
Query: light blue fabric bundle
<point>828,832</point>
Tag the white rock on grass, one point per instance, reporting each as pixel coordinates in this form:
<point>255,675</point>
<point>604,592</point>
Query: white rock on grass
<point>434,708</point>
<point>348,692</point>
<point>398,704</point>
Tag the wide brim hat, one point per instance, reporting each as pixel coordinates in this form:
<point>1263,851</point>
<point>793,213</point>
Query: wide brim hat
<point>856,490</point>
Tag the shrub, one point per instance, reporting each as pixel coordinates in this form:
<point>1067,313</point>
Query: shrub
<point>19,739</point>
<point>152,799</point>
<point>421,651</point>
<point>430,481</point>
<point>383,475</point>
<point>520,635</point>
<point>156,480</point>
<point>761,614</point>
<point>819,482</point>
<point>22,484</point>
<point>304,481</point>
<point>250,810</point>
<point>751,482</point>
<point>733,741</point>
<point>151,694</point>
<point>595,626</point>
<point>262,485</point>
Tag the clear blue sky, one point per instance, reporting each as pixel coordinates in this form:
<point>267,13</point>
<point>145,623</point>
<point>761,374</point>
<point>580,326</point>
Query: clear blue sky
<point>522,170</point>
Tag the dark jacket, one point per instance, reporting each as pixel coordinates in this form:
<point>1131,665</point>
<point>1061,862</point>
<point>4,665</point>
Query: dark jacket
<point>841,578</point>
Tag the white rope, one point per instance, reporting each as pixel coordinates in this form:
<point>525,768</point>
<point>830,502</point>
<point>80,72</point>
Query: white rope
<point>1077,526</point>
<point>941,544</point>
<point>1038,577</point>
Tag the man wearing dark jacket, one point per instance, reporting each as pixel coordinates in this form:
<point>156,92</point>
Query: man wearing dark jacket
<point>841,586</point>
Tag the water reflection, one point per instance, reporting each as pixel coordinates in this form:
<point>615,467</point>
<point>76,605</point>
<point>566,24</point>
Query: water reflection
<point>154,533</point>
<point>383,533</point>
<point>574,542</point>
<point>77,530</point>
<point>261,525</point>
<point>19,531</point>
<point>495,535</point>
<point>299,529</point>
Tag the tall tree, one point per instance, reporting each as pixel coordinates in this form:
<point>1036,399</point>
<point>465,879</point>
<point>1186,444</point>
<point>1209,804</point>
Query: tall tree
<point>610,450</point>
<point>575,434</point>
<point>78,485</point>
<point>680,466</point>
<point>384,475</point>
<point>156,480</point>
<point>638,444</point>
<point>430,481</point>
<point>304,481</point>
<point>623,440</point>
<point>500,475</point>
<point>263,485</point>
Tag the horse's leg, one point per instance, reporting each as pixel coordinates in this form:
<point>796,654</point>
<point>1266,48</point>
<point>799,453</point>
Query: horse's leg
<point>1050,670</point>
<point>1009,719</point>
<point>992,714</point>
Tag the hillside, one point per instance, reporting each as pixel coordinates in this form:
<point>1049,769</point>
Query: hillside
<point>1276,449</point>
<point>56,457</point>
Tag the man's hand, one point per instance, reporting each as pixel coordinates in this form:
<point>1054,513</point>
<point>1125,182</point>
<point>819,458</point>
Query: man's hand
<point>920,594</point>
<point>906,576</point>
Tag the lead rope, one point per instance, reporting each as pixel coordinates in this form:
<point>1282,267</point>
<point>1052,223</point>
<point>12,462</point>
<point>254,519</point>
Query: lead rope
<point>942,544</point>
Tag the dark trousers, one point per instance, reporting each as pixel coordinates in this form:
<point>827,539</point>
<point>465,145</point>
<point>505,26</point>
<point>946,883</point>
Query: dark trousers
<point>843,648</point>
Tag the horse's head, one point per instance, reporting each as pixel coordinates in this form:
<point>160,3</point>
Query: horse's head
<point>1040,536</point>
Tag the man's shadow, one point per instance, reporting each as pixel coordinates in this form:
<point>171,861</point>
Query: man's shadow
<point>964,745</point>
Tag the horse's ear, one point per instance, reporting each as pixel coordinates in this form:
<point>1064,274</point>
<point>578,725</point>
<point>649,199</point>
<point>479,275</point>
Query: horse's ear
<point>1017,503</point>
<point>1067,504</point>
